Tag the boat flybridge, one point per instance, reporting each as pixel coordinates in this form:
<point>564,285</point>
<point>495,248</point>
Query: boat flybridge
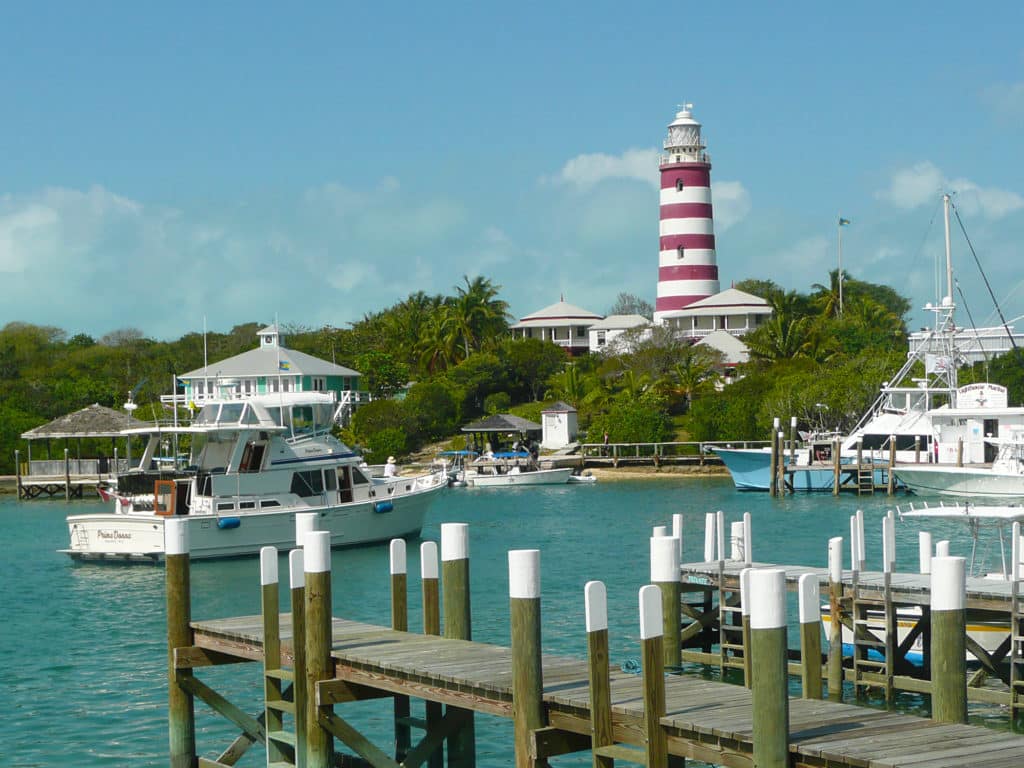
<point>252,465</point>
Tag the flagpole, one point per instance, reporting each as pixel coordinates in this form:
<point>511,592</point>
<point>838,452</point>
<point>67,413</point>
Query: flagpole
<point>839,276</point>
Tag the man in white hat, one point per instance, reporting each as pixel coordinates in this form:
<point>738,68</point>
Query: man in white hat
<point>390,470</point>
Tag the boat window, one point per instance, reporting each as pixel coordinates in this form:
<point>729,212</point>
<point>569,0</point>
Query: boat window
<point>252,457</point>
<point>247,505</point>
<point>207,414</point>
<point>308,483</point>
<point>231,413</point>
<point>249,416</point>
<point>268,503</point>
<point>330,480</point>
<point>302,420</point>
<point>274,411</point>
<point>223,506</point>
<point>344,485</point>
<point>358,478</point>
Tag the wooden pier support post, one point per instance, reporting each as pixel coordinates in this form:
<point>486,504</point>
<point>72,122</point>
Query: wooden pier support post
<point>861,549</point>
<point>810,636</point>
<point>792,440</point>
<point>665,575</point>
<point>67,476</point>
<point>595,598</point>
<point>317,557</point>
<point>17,471</point>
<point>527,674</point>
<point>181,719</point>
<point>272,686</point>
<point>890,478</point>
<point>431,626</point>
<point>748,539</point>
<point>835,627</point>
<point>709,537</point>
<point>457,624</point>
<point>652,656</point>
<point>948,642</point>
<point>748,668</point>
<point>836,473</point>
<point>677,532</point>
<point>781,479</point>
<point>400,622</point>
<point>720,535</point>
<point>297,582</point>
<point>773,459</point>
<point>771,683</point>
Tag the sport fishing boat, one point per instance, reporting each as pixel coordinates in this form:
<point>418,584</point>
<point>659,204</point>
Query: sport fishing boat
<point>901,423</point>
<point>1002,479</point>
<point>253,464</point>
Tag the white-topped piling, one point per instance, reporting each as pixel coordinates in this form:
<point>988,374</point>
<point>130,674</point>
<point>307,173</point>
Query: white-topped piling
<point>736,541</point>
<point>652,665</point>
<point>748,540</point>
<point>297,584</point>
<point>924,552</point>
<point>317,564</point>
<point>527,675</point>
<point>888,544</point>
<point>400,623</point>
<point>720,534</point>
<point>665,575</point>
<point>305,522</point>
<point>181,721</point>
<point>810,636</point>
<point>455,604</point>
<point>709,537</point>
<point>835,628</point>
<point>748,669</point>
<point>272,687</point>
<point>948,640</point>
<point>769,658</point>
<point>941,549</point>
<point>677,532</point>
<point>596,613</point>
<point>659,531</point>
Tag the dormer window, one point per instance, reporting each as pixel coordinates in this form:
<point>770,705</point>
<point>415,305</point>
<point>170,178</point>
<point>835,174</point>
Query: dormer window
<point>680,252</point>
<point>679,185</point>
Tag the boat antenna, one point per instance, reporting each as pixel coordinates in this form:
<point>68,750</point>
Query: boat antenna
<point>999,311</point>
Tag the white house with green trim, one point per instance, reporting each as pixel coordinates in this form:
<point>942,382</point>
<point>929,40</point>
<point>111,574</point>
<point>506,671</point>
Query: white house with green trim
<point>271,367</point>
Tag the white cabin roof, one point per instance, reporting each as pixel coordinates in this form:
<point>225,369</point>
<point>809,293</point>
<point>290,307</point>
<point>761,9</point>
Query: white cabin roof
<point>731,301</point>
<point>270,361</point>
<point>620,323</point>
<point>561,312</point>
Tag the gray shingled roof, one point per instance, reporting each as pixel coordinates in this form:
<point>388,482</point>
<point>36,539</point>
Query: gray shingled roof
<point>264,361</point>
<point>93,421</point>
<point>503,422</point>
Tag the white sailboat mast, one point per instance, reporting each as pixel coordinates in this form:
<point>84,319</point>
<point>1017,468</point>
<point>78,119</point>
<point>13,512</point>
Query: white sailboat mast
<point>949,259</point>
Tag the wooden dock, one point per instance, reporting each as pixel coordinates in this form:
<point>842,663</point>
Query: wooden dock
<point>314,663</point>
<point>704,720</point>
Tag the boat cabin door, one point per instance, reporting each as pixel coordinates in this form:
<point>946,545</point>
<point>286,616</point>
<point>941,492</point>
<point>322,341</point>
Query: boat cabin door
<point>344,485</point>
<point>991,429</point>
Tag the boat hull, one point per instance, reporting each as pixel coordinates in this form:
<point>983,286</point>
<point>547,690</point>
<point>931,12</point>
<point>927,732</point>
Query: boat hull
<point>961,481</point>
<point>139,536</point>
<point>535,477</point>
<point>750,469</point>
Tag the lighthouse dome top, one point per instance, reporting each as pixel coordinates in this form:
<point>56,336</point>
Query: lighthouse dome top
<point>684,116</point>
<point>684,143</point>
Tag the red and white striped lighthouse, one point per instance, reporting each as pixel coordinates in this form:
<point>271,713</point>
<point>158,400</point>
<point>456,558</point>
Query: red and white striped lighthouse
<point>687,271</point>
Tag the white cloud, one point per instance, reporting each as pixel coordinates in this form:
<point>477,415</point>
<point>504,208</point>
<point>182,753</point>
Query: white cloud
<point>732,203</point>
<point>584,171</point>
<point>924,182</point>
<point>1006,100</point>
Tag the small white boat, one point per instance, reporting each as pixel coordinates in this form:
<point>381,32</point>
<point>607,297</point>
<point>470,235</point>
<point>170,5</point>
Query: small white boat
<point>504,469</point>
<point>1003,479</point>
<point>584,478</point>
<point>253,465</point>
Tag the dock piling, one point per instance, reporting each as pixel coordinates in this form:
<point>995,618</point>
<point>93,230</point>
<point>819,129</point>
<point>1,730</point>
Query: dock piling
<point>297,582</point>
<point>665,575</point>
<point>527,675</point>
<point>181,718</point>
<point>317,564</point>
<point>457,625</point>
<point>748,669</point>
<point>948,643</point>
<point>273,688</point>
<point>748,540</point>
<point>400,622</point>
<point>652,663</point>
<point>810,636</point>
<point>709,537</point>
<point>835,627</point>
<point>431,626</point>
<point>769,651</point>
<point>677,532</point>
<point>595,597</point>
<point>924,552</point>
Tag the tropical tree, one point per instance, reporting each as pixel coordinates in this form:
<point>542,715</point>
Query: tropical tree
<point>631,304</point>
<point>476,313</point>
<point>568,385</point>
<point>695,373</point>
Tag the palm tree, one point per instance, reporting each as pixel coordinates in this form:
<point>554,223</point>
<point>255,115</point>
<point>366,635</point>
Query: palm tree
<point>437,344</point>
<point>568,386</point>
<point>477,313</point>
<point>695,373</point>
<point>782,337</point>
<point>826,298</point>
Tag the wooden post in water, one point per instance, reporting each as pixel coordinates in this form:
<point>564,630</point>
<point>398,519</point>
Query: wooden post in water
<point>792,439</point>
<point>457,625</point>
<point>431,626</point>
<point>835,627</point>
<point>948,642</point>
<point>891,475</point>
<point>709,537</point>
<point>677,532</point>
<point>810,636</point>
<point>748,668</point>
<point>781,480</point>
<point>400,623</point>
<point>317,557</point>
<point>720,535</point>
<point>665,575</point>
<point>527,675</point>
<point>748,540</point>
<point>596,605</point>
<point>181,719</point>
<point>770,689</point>
<point>297,579</point>
<point>67,476</point>
<point>773,460</point>
<point>861,549</point>
<point>272,686</point>
<point>836,474</point>
<point>652,657</point>
<point>17,471</point>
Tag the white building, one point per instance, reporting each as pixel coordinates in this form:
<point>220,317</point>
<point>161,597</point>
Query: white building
<point>732,310</point>
<point>559,426</point>
<point>563,324</point>
<point>605,334</point>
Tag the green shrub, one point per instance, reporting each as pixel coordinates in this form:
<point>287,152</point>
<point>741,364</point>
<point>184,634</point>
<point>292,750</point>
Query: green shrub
<point>499,402</point>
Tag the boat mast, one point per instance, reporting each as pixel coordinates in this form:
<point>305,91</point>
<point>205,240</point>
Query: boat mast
<point>949,260</point>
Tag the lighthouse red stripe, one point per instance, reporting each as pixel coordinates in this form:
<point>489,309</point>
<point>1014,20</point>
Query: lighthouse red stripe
<point>699,176</point>
<point>671,242</point>
<point>667,303</point>
<point>688,272</point>
<point>686,211</point>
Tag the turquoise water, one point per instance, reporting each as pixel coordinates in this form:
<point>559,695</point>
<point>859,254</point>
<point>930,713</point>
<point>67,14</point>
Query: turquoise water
<point>84,673</point>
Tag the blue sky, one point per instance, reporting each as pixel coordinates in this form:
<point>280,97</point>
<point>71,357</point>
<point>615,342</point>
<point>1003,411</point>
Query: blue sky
<point>244,160</point>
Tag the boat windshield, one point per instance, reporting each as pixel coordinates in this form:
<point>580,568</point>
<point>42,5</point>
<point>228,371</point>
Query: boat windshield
<point>226,413</point>
<point>212,451</point>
